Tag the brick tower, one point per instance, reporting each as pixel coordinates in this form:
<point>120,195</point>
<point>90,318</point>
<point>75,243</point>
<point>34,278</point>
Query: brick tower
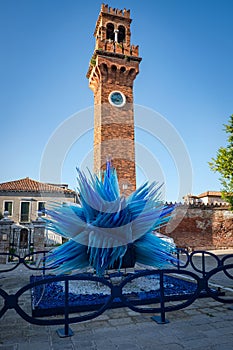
<point>112,70</point>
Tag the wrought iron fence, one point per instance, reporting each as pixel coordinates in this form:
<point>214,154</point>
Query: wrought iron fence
<point>186,271</point>
<point>33,261</point>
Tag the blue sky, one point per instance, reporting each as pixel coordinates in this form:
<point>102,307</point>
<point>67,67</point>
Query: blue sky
<point>186,76</point>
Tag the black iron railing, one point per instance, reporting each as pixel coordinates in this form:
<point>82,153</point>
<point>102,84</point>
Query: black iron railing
<point>33,261</point>
<point>200,275</point>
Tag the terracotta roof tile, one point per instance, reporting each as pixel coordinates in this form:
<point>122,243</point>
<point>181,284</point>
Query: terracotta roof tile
<point>29,185</point>
<point>210,193</point>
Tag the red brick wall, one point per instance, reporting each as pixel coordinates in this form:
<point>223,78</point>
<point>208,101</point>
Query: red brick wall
<point>114,127</point>
<point>201,228</point>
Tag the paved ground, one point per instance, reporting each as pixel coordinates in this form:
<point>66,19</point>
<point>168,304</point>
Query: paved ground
<point>206,324</point>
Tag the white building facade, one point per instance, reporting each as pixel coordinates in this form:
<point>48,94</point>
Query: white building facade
<point>23,199</point>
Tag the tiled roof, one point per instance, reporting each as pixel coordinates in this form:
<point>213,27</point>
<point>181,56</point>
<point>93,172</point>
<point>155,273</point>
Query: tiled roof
<point>209,194</point>
<point>29,185</point>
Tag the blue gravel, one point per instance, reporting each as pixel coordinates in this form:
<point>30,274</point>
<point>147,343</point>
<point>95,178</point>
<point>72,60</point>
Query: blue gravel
<point>52,296</point>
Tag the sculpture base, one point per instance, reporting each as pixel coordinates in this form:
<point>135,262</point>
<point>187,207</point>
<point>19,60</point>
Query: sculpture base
<point>48,299</point>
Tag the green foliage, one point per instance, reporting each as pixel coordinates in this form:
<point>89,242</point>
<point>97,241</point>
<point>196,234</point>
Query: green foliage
<point>93,62</point>
<point>223,164</point>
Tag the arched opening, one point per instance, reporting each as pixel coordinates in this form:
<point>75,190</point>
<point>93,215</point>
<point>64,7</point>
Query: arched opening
<point>23,239</point>
<point>121,34</point>
<point>132,72</point>
<point>103,71</point>
<point>110,31</point>
<point>104,67</point>
<point>113,68</point>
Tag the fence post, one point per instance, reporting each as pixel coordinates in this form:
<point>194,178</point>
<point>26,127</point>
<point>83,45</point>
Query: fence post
<point>203,264</point>
<point>44,265</point>
<point>161,319</point>
<point>66,331</point>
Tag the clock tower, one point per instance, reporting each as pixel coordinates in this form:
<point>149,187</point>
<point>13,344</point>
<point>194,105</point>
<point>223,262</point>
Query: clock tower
<point>112,70</point>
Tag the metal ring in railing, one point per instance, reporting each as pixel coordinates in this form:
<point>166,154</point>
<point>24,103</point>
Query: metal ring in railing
<point>223,262</point>
<point>189,299</point>
<point>181,264</point>
<point>42,255</point>
<point>11,301</point>
<point>203,255</point>
<point>13,261</point>
<point>224,268</point>
<point>10,257</point>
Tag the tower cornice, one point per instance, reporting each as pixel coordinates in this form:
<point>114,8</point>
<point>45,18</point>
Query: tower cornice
<point>110,54</point>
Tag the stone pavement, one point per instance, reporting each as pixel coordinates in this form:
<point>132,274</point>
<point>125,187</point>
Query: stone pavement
<point>206,324</point>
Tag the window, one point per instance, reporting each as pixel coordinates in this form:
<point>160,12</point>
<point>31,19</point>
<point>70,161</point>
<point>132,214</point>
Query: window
<point>110,31</point>
<point>121,34</point>
<point>24,212</point>
<point>41,207</point>
<point>124,186</point>
<point>8,206</point>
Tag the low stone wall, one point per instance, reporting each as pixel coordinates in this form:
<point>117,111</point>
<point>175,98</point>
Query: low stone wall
<point>201,227</point>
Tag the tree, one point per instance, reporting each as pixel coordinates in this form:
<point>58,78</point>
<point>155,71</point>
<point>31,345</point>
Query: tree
<point>223,164</point>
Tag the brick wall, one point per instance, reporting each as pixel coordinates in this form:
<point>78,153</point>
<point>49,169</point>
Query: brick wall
<point>203,227</point>
<point>114,127</point>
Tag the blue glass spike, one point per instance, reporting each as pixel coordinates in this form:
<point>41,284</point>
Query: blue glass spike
<point>105,223</point>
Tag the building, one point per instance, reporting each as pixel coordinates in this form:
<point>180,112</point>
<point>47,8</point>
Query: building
<point>207,198</point>
<point>20,203</point>
<point>112,70</point>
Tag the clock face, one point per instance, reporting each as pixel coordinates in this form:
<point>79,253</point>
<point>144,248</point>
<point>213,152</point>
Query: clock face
<point>117,98</point>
